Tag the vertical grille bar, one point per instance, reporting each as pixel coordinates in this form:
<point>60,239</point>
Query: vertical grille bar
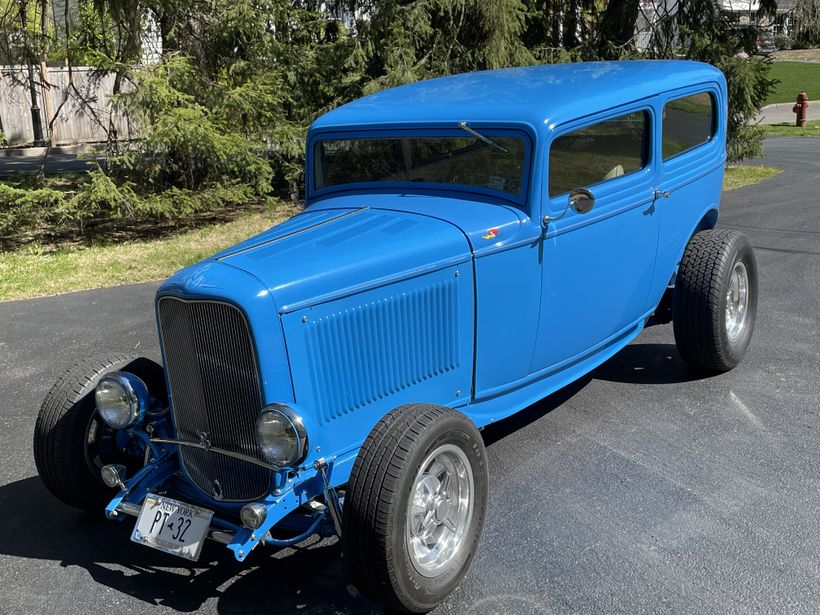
<point>215,394</point>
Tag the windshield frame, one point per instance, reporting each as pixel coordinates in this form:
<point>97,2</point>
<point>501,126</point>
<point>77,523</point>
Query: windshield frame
<point>488,130</point>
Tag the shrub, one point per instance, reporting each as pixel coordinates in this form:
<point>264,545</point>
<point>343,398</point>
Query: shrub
<point>748,84</point>
<point>177,202</point>
<point>747,143</point>
<point>783,41</point>
<point>184,149</point>
<point>99,198</point>
<point>102,200</point>
<point>22,210</point>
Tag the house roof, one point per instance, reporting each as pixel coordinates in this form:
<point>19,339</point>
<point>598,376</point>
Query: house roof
<point>537,95</point>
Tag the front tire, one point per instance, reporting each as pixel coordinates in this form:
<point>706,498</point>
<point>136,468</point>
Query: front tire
<point>415,506</point>
<point>71,443</point>
<point>715,300</point>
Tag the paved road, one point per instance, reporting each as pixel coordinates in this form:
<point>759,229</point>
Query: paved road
<point>57,162</point>
<point>780,113</point>
<point>640,489</point>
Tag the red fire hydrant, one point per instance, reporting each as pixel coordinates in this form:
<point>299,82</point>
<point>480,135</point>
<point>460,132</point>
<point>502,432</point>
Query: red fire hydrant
<point>801,109</point>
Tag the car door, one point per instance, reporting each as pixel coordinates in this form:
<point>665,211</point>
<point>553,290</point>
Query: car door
<point>597,267</point>
<point>691,156</point>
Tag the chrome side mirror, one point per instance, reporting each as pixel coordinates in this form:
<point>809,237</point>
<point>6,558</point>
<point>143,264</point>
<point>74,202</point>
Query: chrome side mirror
<point>581,200</point>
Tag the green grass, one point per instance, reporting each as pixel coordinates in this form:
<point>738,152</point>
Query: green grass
<point>794,77</point>
<point>812,129</point>
<point>37,271</point>
<point>739,176</point>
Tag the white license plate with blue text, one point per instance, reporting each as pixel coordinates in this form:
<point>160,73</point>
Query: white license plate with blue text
<point>172,526</point>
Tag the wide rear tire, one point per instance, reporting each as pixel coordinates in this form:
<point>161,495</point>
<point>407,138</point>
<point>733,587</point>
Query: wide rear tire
<point>415,506</point>
<point>714,306</point>
<point>71,443</point>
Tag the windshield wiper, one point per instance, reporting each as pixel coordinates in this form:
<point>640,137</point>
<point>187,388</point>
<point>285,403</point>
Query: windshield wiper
<point>463,126</point>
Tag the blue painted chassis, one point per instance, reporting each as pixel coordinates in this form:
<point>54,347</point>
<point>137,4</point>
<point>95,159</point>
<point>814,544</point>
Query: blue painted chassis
<point>500,381</point>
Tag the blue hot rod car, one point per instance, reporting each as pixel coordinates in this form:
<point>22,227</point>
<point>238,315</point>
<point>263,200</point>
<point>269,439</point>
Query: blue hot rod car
<point>470,244</point>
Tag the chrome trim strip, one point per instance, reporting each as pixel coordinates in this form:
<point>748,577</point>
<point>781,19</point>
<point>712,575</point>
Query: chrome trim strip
<point>223,536</point>
<point>129,508</point>
<point>215,449</point>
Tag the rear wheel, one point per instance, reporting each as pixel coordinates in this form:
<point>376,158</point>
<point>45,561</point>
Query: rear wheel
<point>715,300</point>
<point>415,506</point>
<point>71,443</point>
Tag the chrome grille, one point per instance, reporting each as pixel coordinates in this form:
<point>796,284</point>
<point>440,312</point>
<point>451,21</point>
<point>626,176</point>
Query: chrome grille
<point>215,394</point>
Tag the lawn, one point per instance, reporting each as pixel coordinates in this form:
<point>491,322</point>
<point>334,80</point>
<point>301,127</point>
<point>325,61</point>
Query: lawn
<point>812,129</point>
<point>737,176</point>
<point>37,271</point>
<point>794,77</point>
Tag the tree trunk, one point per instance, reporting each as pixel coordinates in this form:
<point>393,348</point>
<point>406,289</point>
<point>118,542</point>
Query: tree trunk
<point>571,24</point>
<point>617,27</point>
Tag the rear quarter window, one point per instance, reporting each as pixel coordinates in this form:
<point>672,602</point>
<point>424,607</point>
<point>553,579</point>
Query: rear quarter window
<point>598,153</point>
<point>688,122</point>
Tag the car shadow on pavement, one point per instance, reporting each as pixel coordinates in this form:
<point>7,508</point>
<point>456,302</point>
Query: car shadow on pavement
<point>647,364</point>
<point>497,431</point>
<point>650,363</point>
<point>308,579</point>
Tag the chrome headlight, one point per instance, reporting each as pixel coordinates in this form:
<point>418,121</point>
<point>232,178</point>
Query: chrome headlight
<point>121,399</point>
<point>281,436</point>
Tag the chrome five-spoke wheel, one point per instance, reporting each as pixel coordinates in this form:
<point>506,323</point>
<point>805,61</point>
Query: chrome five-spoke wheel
<point>415,506</point>
<point>440,510</point>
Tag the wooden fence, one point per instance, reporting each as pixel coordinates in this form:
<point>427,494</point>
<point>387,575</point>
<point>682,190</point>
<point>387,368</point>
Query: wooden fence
<point>76,121</point>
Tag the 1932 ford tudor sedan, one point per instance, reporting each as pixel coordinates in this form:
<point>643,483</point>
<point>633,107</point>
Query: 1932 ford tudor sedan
<point>470,245</point>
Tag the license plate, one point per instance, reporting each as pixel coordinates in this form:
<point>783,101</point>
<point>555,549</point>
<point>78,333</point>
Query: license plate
<point>172,526</point>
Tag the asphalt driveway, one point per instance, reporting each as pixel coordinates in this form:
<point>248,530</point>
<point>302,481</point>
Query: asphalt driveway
<point>59,161</point>
<point>640,489</point>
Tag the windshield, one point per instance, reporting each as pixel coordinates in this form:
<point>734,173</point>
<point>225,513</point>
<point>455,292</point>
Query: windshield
<point>461,160</point>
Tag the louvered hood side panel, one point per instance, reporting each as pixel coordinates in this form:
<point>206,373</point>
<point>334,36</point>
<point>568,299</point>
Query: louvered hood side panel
<point>355,358</point>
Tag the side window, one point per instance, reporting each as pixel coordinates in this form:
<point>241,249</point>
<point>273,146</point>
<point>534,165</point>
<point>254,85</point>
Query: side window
<point>687,123</point>
<point>599,153</point>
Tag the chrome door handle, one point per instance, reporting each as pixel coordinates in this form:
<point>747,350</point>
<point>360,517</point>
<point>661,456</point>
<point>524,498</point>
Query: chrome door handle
<point>658,194</point>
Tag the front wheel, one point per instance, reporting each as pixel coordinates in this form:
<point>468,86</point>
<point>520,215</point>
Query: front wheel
<point>714,305</point>
<point>71,442</point>
<point>415,506</point>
